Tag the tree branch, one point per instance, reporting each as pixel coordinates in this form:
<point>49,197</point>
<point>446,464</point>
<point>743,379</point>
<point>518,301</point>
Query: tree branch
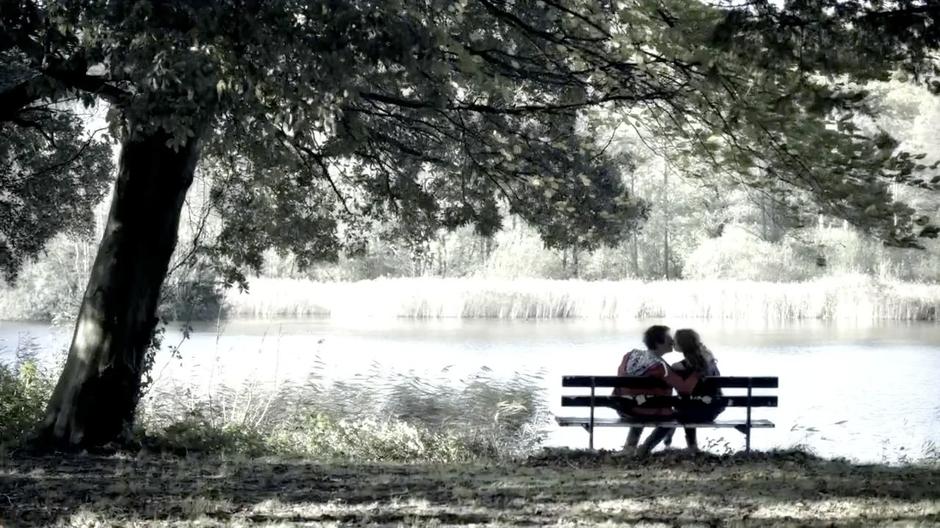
<point>71,159</point>
<point>98,86</point>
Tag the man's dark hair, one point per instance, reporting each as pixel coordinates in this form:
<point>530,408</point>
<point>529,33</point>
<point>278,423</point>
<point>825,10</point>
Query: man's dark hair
<point>655,335</point>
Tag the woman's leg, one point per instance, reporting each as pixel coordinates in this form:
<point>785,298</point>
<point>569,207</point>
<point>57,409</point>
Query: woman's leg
<point>697,415</point>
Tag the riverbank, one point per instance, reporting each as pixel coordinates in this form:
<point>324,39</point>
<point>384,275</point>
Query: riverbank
<point>557,487</point>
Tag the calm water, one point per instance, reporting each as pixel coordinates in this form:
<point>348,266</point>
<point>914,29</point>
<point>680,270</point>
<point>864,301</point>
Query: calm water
<point>867,393</point>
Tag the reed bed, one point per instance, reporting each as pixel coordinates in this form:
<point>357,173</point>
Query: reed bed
<point>373,416</point>
<point>857,298</point>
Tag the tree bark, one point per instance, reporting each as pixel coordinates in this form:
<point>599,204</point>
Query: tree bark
<point>95,398</point>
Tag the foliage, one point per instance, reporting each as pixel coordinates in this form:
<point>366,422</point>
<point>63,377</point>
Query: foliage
<point>25,387</point>
<point>866,40</point>
<point>196,434</point>
<point>759,119</point>
<point>52,175</point>
<point>50,288</point>
<point>824,44</point>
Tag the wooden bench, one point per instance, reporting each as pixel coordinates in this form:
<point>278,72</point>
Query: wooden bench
<point>607,383</point>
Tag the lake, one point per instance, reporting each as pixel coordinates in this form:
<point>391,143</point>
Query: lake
<point>868,393</point>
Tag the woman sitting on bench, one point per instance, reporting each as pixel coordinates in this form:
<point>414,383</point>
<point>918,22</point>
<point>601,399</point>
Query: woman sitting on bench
<point>698,360</point>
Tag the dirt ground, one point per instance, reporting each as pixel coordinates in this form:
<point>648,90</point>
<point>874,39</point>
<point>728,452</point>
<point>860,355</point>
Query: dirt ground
<point>556,488</point>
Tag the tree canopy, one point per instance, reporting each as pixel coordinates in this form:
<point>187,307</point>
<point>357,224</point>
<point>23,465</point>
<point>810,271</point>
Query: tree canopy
<point>322,113</point>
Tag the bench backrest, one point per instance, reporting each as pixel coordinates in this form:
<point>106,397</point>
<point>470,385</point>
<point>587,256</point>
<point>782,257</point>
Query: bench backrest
<point>595,399</point>
<point>635,382</point>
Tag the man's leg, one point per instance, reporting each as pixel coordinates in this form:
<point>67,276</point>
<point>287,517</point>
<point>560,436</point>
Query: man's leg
<point>633,438</point>
<point>653,440</point>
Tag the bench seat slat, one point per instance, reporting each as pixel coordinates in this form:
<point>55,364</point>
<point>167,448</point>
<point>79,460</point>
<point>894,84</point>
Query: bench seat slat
<point>618,422</point>
<point>726,382</point>
<point>662,401</point>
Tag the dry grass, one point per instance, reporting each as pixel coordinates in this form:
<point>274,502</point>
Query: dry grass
<point>566,489</point>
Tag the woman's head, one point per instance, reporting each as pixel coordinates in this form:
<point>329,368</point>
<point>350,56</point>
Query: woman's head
<point>690,344</point>
<point>687,339</point>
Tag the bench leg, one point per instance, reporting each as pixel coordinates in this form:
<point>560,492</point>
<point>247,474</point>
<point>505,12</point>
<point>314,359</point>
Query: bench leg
<point>747,435</point>
<point>590,431</point>
<point>746,431</point>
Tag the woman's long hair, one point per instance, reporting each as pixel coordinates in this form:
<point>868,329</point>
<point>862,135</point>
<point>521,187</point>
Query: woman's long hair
<point>696,355</point>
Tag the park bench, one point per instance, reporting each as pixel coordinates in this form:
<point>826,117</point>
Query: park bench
<point>605,384</point>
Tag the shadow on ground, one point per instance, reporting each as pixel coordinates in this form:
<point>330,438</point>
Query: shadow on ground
<point>557,487</point>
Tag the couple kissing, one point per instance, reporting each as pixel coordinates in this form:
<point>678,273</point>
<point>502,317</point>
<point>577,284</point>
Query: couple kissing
<point>684,376</point>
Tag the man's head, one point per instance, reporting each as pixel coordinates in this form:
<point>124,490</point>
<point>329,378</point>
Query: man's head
<point>658,339</point>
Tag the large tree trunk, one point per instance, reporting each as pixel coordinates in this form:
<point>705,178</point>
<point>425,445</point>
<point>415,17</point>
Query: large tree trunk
<point>95,397</point>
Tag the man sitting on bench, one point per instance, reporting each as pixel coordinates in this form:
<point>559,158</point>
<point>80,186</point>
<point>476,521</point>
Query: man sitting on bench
<point>649,363</point>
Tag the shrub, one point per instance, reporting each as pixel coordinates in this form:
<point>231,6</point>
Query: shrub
<point>25,388</point>
<point>198,434</point>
